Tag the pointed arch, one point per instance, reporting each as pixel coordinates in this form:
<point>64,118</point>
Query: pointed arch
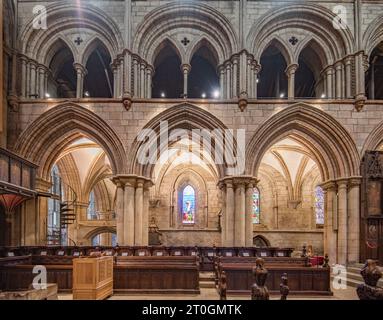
<point>100,230</point>
<point>279,44</point>
<point>185,16</point>
<point>373,35</point>
<point>45,138</point>
<point>92,45</point>
<point>204,42</point>
<point>374,139</point>
<point>333,148</point>
<point>185,116</point>
<point>314,19</point>
<point>167,42</point>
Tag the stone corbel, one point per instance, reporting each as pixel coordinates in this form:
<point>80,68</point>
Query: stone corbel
<point>360,102</point>
<point>294,204</point>
<point>127,102</point>
<point>13,102</point>
<point>242,101</point>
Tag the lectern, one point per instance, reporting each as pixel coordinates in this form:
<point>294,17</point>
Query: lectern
<point>92,278</point>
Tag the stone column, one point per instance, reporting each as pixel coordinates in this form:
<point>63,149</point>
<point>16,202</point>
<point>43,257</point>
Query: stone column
<point>145,216</point>
<point>185,68</point>
<point>348,74</point>
<point>119,78</point>
<point>42,211</point>
<point>139,201</point>
<point>243,74</point>
<point>342,221</point>
<point>28,80</point>
<point>235,77</point>
<point>23,75</point>
<point>120,213</point>
<point>42,88</point>
<point>228,80</point>
<point>330,236</point>
<point>230,204</point>
<point>32,83</point>
<point>257,69</point>
<point>223,214</point>
<point>115,82</point>
<point>249,215</point>
<point>338,75</point>
<point>129,221</point>
<point>104,239</point>
<point>329,77</point>
<point>81,73</point>
<point>149,72</point>
<point>142,80</point>
<point>360,74</point>
<point>136,77</point>
<point>290,72</point>
<point>222,81</point>
<point>127,74</point>
<point>353,207</point>
<point>240,219</point>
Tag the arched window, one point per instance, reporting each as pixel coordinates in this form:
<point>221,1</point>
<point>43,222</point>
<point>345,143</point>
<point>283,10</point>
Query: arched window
<point>188,205</point>
<point>53,219</point>
<point>114,239</point>
<point>256,206</point>
<point>92,214</point>
<point>96,240</point>
<point>374,75</point>
<point>319,205</point>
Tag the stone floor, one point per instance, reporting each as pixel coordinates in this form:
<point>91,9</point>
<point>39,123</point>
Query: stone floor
<point>211,294</point>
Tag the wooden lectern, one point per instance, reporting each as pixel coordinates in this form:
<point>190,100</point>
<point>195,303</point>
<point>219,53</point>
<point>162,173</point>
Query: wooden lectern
<point>92,278</point>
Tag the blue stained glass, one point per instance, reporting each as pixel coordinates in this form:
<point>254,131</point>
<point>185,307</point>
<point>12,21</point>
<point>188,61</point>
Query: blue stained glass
<point>256,206</point>
<point>319,205</point>
<point>188,205</point>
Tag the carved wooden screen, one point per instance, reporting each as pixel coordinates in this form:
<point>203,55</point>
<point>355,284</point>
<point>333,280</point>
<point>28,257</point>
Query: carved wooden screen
<point>371,227</point>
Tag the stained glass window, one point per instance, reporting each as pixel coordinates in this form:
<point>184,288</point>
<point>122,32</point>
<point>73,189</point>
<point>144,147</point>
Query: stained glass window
<point>256,206</point>
<point>319,205</point>
<point>92,214</point>
<point>188,205</point>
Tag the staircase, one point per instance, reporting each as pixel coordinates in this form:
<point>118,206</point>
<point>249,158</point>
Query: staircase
<point>354,278</point>
<point>206,280</point>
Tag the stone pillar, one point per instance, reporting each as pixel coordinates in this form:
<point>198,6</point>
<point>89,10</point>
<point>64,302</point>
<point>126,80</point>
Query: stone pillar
<point>139,201</point>
<point>372,81</point>
<point>290,72</point>
<point>250,77</point>
<point>329,81</point>
<point>222,82</point>
<point>230,209</point>
<point>42,88</point>
<point>129,221</point>
<point>142,80</point>
<point>136,77</point>
<point>42,210</point>
<point>118,79</point>
<point>348,74</point>
<point>243,74</point>
<point>228,80</point>
<point>360,75</point>
<point>104,239</point>
<point>149,82</point>
<point>257,69</point>
<point>330,236</point>
<point>23,75</point>
<point>145,217</point>
<point>338,75</point>
<point>32,83</point>
<point>81,73</point>
<point>249,215</point>
<point>223,215</point>
<point>342,221</point>
<point>120,212</point>
<point>235,77</point>
<point>240,212</point>
<point>28,80</point>
<point>115,80</point>
<point>185,68</point>
<point>353,207</point>
<point>127,75</point>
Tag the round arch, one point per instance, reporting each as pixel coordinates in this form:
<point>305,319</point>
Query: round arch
<point>186,117</point>
<point>44,139</point>
<point>201,19</point>
<point>95,232</point>
<point>314,19</point>
<point>331,145</point>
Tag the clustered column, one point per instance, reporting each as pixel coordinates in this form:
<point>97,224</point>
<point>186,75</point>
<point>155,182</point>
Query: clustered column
<point>132,209</point>
<point>341,233</point>
<point>81,73</point>
<point>237,228</point>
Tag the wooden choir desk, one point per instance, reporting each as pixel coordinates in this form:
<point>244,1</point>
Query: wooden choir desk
<point>92,278</point>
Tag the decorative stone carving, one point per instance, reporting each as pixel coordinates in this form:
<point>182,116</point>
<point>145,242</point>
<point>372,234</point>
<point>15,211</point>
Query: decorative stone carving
<point>259,291</point>
<point>127,102</point>
<point>371,275</point>
<point>242,101</point>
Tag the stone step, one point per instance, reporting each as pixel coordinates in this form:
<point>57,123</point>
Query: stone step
<point>206,276</point>
<point>207,284</point>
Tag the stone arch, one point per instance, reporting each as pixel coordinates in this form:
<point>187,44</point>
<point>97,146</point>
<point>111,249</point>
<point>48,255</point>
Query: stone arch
<point>185,116</point>
<point>201,19</point>
<point>278,43</point>
<point>314,20</point>
<point>374,139</point>
<point>373,35</point>
<point>63,16</point>
<point>91,45</point>
<point>200,43</point>
<point>331,145</point>
<point>91,234</point>
<point>53,45</point>
<point>44,139</point>
<point>167,42</point>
